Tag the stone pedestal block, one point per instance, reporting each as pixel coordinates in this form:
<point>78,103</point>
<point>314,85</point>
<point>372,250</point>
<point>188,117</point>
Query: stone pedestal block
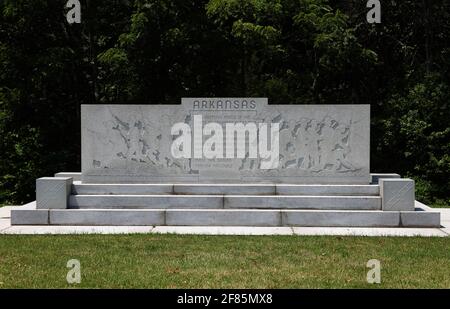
<point>53,192</point>
<point>397,194</point>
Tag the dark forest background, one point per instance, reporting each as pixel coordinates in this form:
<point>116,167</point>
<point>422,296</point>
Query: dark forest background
<point>291,51</point>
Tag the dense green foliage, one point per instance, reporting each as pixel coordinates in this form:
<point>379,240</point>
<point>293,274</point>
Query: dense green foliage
<point>291,51</point>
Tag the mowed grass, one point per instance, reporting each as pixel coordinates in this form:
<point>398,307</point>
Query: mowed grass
<point>181,261</point>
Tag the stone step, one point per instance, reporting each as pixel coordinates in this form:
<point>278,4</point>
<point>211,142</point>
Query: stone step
<point>281,218</point>
<point>330,190</point>
<point>145,201</point>
<point>121,189</point>
<point>375,177</point>
<point>224,189</point>
<point>227,217</point>
<point>303,202</point>
<point>224,201</point>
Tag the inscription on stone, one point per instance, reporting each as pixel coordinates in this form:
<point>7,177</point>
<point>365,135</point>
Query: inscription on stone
<point>321,144</point>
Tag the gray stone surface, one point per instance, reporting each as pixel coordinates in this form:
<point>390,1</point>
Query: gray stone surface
<point>369,231</point>
<point>418,223</point>
<point>223,217</point>
<point>420,219</point>
<point>445,215</point>
<point>29,216</point>
<point>31,205</point>
<point>5,212</point>
<point>223,230</point>
<point>322,144</point>
<point>397,194</point>
<point>5,223</point>
<point>52,193</point>
<point>340,218</point>
<point>145,201</point>
<point>121,189</point>
<point>422,207</point>
<point>73,230</point>
<point>446,230</point>
<point>377,176</point>
<point>303,202</point>
<point>349,190</point>
<point>76,176</point>
<point>224,189</point>
<point>252,189</point>
<point>107,217</point>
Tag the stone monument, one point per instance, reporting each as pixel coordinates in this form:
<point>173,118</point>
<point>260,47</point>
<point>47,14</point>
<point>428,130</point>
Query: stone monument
<point>226,161</point>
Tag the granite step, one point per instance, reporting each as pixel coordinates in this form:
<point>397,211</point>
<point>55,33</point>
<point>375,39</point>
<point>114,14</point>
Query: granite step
<point>303,202</point>
<point>145,201</point>
<point>330,190</point>
<point>227,217</point>
<point>224,201</point>
<point>121,189</point>
<point>224,189</point>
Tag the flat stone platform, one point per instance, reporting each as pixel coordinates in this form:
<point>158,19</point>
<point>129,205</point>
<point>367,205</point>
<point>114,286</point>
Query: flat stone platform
<point>443,231</point>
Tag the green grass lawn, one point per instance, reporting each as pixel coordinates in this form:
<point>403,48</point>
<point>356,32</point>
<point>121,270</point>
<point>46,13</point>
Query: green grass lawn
<point>175,261</point>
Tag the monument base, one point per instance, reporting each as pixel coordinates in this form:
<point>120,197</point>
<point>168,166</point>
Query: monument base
<point>387,202</point>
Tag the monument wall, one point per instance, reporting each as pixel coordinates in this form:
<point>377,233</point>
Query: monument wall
<point>320,144</point>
